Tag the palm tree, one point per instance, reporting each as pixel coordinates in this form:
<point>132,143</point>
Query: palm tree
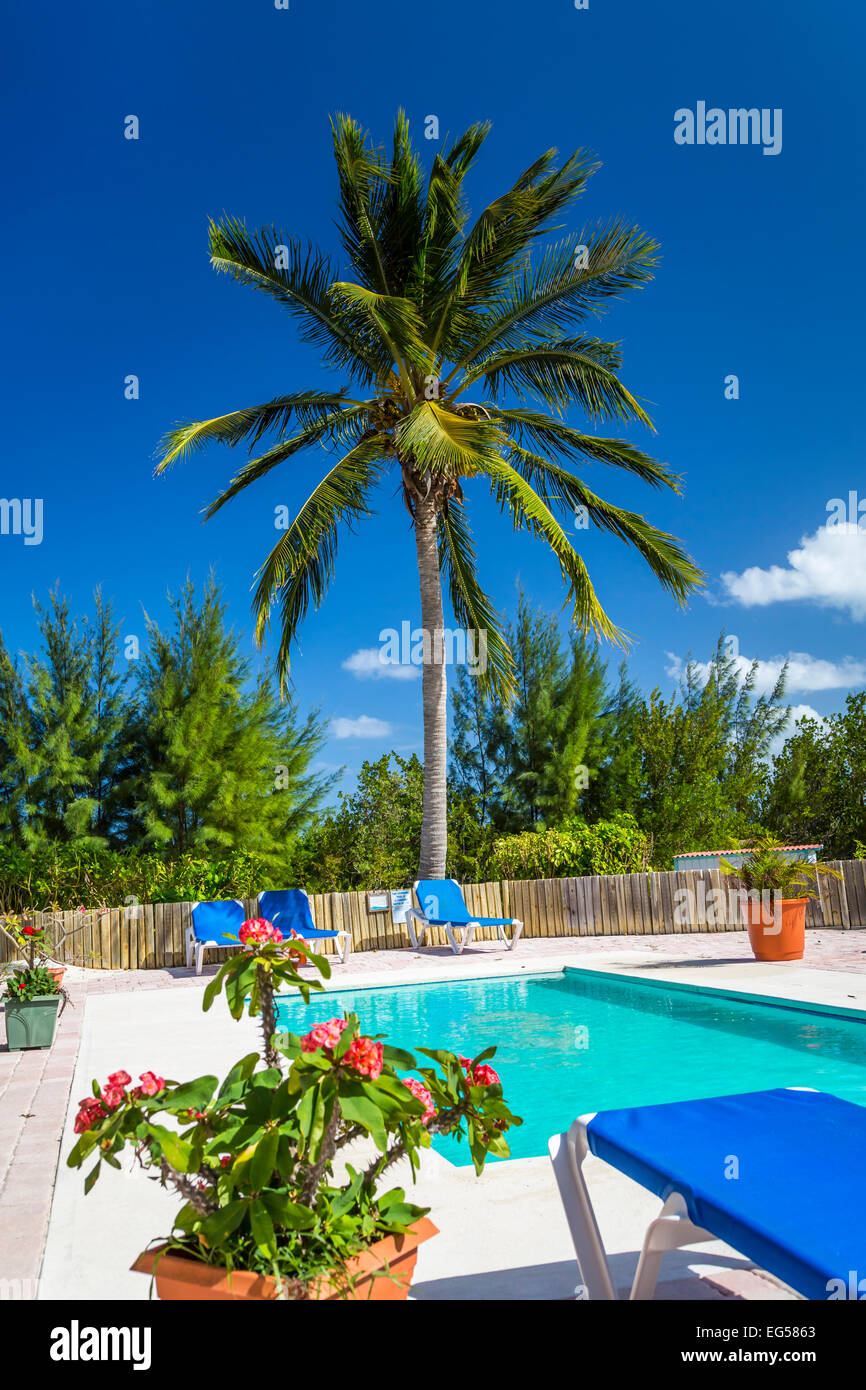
<point>439,328</point>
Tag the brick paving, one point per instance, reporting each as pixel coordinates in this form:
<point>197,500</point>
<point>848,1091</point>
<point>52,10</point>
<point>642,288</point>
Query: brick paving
<point>35,1085</point>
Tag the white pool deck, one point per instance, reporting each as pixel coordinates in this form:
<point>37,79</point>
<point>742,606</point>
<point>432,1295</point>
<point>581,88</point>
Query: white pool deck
<point>502,1236</point>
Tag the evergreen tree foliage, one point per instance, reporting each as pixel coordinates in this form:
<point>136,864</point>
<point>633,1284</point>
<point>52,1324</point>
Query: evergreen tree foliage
<point>222,763</point>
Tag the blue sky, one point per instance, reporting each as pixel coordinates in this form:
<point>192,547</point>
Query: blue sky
<point>109,276</point>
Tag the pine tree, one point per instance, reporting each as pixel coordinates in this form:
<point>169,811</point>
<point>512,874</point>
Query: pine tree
<point>17,762</point>
<point>224,765</point>
<point>615,787</point>
<point>66,740</point>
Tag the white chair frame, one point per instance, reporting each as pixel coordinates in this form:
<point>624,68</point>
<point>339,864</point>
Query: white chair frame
<point>670,1230</point>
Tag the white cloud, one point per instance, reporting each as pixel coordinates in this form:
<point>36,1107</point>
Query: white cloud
<point>362,727</point>
<point>829,569</point>
<point>805,673</point>
<point>370,663</point>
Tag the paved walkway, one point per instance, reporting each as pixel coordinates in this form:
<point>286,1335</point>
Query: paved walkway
<point>35,1085</point>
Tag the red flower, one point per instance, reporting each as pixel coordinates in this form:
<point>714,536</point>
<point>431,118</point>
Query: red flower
<point>113,1096</point>
<point>325,1035</point>
<point>481,1076</point>
<point>29,931</point>
<point>257,931</point>
<point>365,1056</point>
<point>89,1111</point>
<point>151,1084</point>
<point>119,1078</point>
<point>420,1092</point>
<point>485,1076</point>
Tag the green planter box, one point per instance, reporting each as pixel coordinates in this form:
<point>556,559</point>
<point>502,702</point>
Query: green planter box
<point>31,1022</point>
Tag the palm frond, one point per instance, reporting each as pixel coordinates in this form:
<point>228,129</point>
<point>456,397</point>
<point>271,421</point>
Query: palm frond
<point>250,423</point>
<point>472,606</point>
<point>556,294</point>
<point>299,279</point>
<point>528,511</point>
<point>340,427</point>
<point>363,175</point>
<point>500,239</point>
<point>300,566</point>
<point>395,319</point>
<point>578,371</point>
<point>439,441</point>
<point>669,562</point>
<point>547,433</point>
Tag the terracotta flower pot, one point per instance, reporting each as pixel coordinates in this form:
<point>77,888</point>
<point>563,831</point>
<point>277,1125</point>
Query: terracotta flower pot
<point>56,972</point>
<point>181,1278</point>
<point>772,939</point>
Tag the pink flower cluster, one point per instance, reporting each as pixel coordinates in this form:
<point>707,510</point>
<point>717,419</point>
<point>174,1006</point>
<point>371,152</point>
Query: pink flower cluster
<point>420,1092</point>
<point>363,1054</point>
<point>325,1035</point>
<point>481,1076</point>
<point>256,931</point>
<point>95,1108</point>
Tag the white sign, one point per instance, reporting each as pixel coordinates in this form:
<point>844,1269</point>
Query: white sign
<point>401,901</point>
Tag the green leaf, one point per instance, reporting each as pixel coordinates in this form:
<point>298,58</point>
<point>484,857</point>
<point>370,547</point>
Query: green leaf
<point>193,1095</point>
<point>359,1110</point>
<point>221,1224</point>
<point>241,1071</point>
<point>262,1165</point>
<point>262,1229</point>
<point>396,1057</point>
<point>175,1150</point>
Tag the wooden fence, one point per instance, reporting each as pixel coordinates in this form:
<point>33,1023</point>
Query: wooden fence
<point>154,935</point>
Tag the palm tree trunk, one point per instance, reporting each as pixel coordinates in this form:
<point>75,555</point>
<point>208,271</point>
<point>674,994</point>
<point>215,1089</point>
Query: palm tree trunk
<point>434,689</point>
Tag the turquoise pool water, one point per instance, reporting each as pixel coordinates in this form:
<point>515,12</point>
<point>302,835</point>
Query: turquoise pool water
<point>573,1042</point>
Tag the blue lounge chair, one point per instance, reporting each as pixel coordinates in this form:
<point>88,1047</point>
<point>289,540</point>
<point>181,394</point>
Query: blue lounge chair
<point>289,909</point>
<point>214,926</point>
<point>778,1175</point>
<point>442,905</point>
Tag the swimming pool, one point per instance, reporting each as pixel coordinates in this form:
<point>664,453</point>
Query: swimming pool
<point>575,1041</point>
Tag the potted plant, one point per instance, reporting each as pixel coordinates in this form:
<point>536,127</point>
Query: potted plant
<point>40,943</point>
<point>31,999</point>
<point>273,1207</point>
<point>779,890</point>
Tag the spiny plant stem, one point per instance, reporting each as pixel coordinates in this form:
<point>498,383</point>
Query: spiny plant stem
<point>313,1175</point>
<point>269,1017</point>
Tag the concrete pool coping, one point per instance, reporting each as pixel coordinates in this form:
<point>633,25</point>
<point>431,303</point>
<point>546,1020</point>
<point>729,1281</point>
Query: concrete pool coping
<point>503,1236</point>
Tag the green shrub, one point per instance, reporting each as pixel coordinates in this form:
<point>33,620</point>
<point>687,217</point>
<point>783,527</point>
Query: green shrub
<point>573,850</point>
<point>65,877</point>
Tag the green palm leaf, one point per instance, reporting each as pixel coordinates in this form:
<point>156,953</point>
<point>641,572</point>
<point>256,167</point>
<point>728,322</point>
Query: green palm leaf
<point>299,279</point>
<point>339,426</point>
<point>554,436</point>
<point>669,562</point>
<point>472,607</point>
<point>300,566</point>
<point>528,511</point>
<point>441,442</point>
<point>250,423</point>
<point>574,372</point>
